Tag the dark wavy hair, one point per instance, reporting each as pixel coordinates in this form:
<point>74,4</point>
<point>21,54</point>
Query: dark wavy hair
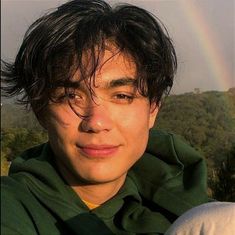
<point>53,46</point>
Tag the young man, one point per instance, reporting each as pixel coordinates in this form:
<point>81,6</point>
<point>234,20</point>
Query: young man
<point>95,76</point>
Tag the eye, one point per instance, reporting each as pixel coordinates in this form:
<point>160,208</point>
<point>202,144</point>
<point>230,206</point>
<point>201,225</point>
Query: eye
<point>75,97</point>
<point>123,98</point>
<point>72,96</point>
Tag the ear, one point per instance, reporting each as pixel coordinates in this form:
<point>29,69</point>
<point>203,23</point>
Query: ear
<point>154,109</point>
<point>42,123</point>
<point>42,119</point>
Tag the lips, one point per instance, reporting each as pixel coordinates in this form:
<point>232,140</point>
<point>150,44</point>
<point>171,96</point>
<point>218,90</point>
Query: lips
<point>99,151</point>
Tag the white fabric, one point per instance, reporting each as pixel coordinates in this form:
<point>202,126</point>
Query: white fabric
<point>214,218</point>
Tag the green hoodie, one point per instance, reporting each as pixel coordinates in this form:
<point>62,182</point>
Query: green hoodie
<point>168,180</point>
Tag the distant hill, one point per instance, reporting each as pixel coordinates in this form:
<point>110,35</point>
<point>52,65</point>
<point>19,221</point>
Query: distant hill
<point>16,116</point>
<point>205,120</point>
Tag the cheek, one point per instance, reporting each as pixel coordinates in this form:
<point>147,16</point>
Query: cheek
<point>134,127</point>
<point>136,119</point>
<point>61,125</point>
<point>60,116</point>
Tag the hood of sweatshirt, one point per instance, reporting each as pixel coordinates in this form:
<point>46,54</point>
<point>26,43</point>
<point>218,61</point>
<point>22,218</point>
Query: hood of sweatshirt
<point>169,179</point>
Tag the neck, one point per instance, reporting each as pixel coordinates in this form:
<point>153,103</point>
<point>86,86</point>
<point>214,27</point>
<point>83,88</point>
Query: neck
<point>100,192</point>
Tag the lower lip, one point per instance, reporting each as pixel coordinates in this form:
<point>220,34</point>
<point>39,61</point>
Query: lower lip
<point>99,153</point>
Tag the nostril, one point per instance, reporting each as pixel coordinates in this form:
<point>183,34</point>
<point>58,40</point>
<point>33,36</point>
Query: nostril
<point>98,120</point>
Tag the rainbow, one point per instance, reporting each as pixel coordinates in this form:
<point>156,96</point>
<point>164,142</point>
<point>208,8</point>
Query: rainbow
<point>213,55</point>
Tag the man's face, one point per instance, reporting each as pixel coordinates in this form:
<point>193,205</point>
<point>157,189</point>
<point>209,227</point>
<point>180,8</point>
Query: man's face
<point>103,146</point>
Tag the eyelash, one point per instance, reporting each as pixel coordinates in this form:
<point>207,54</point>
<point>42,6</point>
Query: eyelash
<point>125,98</point>
<point>72,96</point>
<point>118,98</point>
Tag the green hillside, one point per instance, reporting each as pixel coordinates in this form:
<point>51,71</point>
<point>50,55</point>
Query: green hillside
<point>205,120</point>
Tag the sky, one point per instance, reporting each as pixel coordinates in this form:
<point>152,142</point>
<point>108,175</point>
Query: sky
<point>203,33</point>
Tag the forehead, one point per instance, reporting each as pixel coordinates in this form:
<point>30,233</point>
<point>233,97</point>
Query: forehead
<point>112,65</point>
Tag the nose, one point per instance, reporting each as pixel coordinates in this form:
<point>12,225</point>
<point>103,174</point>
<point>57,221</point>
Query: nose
<point>98,119</point>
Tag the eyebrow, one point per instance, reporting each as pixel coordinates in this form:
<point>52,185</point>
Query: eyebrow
<point>126,81</point>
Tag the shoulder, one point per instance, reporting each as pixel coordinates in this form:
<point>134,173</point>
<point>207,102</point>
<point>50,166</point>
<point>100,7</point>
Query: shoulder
<point>10,186</point>
<point>173,148</point>
<point>13,195</point>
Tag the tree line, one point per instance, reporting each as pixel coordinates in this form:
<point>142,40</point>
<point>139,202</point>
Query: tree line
<point>205,120</point>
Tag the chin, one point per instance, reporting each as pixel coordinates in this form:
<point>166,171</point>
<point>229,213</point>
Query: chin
<point>101,178</point>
